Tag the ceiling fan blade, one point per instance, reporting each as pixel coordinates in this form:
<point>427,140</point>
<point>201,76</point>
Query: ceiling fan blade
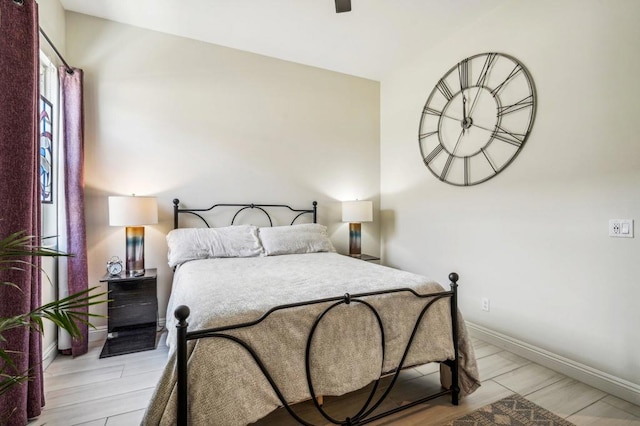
<point>343,6</point>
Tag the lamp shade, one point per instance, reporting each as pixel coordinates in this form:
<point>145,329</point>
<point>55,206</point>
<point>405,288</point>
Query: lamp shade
<point>357,211</point>
<point>133,211</point>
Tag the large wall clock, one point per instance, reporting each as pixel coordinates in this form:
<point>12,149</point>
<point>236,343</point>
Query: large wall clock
<point>477,119</point>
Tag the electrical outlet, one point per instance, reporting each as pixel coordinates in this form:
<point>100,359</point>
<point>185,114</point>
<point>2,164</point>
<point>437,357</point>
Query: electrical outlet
<point>485,304</point>
<point>621,228</point>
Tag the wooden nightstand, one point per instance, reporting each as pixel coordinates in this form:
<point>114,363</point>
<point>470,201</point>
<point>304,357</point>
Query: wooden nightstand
<point>367,257</point>
<point>133,313</point>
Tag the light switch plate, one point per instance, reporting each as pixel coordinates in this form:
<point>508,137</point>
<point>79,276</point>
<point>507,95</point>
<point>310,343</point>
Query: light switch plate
<point>621,228</point>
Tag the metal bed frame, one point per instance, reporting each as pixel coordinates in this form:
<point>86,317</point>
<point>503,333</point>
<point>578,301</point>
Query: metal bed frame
<point>365,414</point>
<point>261,207</point>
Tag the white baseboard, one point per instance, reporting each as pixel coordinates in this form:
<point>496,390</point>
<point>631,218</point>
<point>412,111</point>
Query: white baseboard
<point>598,379</point>
<point>98,333</point>
<point>49,353</point>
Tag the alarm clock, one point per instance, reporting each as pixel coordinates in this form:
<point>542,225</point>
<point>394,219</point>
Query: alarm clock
<point>114,266</point>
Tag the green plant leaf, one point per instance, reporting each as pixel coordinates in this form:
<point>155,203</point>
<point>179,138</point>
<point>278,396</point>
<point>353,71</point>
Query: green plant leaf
<point>15,251</point>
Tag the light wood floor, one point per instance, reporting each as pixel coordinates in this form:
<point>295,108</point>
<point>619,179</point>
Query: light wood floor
<point>115,391</point>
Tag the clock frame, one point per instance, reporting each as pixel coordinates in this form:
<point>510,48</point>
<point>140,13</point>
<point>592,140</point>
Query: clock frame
<point>477,119</point>
<point>114,266</point>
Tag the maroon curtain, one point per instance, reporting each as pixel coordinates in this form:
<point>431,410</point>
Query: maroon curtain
<point>73,139</point>
<point>20,194</point>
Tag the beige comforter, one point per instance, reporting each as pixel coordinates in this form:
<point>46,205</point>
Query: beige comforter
<point>223,379</point>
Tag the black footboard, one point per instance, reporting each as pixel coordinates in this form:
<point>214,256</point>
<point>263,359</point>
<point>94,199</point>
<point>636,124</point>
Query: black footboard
<point>364,415</point>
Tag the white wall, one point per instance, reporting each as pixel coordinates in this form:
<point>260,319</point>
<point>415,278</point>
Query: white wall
<point>176,118</point>
<point>534,238</point>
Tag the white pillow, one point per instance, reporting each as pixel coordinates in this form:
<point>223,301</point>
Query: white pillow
<point>295,239</point>
<point>203,243</point>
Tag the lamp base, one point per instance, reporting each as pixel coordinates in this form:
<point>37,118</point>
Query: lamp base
<point>135,251</point>
<point>354,239</point>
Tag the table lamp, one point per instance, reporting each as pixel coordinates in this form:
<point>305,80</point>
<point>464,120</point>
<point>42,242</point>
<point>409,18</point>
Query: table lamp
<point>356,212</point>
<point>133,212</point>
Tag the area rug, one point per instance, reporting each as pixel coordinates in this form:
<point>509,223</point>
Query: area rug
<point>513,410</point>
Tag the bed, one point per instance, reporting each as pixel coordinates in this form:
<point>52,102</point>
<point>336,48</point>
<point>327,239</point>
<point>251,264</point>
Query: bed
<point>268,316</point>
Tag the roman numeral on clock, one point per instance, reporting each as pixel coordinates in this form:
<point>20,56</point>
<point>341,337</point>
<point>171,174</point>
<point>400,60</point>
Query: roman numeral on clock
<point>431,111</point>
<point>515,139</point>
<point>463,73</point>
<point>433,154</point>
<point>489,160</point>
<point>488,64</point>
<point>523,103</point>
<point>467,165</point>
<point>514,72</point>
<point>445,90</point>
<point>426,135</point>
<point>447,165</point>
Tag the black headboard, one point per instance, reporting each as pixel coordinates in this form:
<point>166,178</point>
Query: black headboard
<point>241,207</point>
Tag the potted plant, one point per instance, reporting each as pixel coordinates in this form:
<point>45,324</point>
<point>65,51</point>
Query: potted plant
<point>65,313</point>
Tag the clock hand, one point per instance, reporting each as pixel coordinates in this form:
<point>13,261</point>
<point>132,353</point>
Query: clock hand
<point>451,117</point>
<point>455,148</point>
<point>475,99</point>
<point>483,128</point>
<point>471,124</point>
<point>463,78</point>
<point>464,112</point>
<point>454,118</point>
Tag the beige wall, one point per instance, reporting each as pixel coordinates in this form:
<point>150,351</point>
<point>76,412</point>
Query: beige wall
<point>534,240</point>
<point>176,118</point>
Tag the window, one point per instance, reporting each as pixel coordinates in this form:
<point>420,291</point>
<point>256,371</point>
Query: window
<point>49,154</point>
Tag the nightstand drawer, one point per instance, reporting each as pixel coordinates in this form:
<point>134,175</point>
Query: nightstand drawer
<point>132,303</point>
